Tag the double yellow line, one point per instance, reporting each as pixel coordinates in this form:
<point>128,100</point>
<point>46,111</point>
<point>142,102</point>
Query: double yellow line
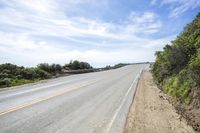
<point>12,109</point>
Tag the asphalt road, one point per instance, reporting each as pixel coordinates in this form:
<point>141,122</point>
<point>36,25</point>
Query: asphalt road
<point>93,102</point>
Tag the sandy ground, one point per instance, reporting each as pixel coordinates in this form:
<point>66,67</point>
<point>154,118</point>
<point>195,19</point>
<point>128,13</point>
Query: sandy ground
<point>152,113</point>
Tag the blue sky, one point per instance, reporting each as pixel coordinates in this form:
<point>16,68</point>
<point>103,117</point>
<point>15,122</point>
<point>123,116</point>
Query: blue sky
<point>102,32</point>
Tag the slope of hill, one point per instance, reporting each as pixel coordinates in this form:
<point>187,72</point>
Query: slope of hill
<point>177,72</point>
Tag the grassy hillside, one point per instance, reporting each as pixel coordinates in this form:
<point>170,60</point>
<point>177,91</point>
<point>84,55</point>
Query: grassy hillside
<point>177,68</point>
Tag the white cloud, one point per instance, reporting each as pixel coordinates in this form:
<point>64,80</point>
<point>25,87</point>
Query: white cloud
<point>184,6</point>
<point>25,20</point>
<point>25,52</point>
<point>153,2</point>
<point>178,7</point>
<point>148,22</point>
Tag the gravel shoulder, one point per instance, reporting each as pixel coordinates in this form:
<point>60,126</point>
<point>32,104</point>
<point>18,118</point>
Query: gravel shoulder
<point>151,112</point>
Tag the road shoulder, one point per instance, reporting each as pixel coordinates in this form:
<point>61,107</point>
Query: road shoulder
<point>151,112</point>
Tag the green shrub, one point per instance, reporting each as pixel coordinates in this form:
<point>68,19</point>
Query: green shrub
<point>177,67</point>
<point>194,69</point>
<point>6,82</point>
<point>22,81</point>
<point>76,65</point>
<point>174,88</point>
<point>42,74</point>
<point>12,75</point>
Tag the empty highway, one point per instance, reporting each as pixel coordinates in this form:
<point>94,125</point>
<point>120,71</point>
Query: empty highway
<point>85,103</point>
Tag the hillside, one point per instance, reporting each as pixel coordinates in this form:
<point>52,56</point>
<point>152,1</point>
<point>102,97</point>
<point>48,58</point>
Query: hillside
<point>177,72</point>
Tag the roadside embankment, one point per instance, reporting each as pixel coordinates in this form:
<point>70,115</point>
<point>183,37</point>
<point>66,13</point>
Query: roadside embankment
<point>151,112</point>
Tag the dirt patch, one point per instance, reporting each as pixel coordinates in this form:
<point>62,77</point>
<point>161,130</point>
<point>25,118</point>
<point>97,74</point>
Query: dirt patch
<point>151,111</point>
<point>192,112</point>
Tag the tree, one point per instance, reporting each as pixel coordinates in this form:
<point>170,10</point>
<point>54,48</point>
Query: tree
<point>45,66</point>
<point>75,65</point>
<point>56,68</point>
<point>177,67</point>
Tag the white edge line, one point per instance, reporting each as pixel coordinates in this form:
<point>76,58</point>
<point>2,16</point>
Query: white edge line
<point>122,103</point>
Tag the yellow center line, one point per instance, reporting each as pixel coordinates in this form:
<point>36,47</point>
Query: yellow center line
<point>12,109</point>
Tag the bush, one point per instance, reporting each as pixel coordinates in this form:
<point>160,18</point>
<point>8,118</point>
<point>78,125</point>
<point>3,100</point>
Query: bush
<point>119,65</point>
<point>45,66</point>
<point>11,75</point>
<point>76,65</point>
<point>178,90</point>
<point>52,69</point>
<point>194,69</point>
<point>42,74</point>
<point>6,82</point>
<point>177,67</point>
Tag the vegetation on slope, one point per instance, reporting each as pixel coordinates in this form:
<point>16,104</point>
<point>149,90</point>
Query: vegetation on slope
<point>12,75</point>
<point>177,68</point>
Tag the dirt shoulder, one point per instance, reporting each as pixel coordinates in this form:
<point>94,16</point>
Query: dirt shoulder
<point>150,111</point>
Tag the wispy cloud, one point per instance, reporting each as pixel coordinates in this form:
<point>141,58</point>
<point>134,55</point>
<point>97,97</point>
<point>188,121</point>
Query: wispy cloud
<point>147,22</point>
<point>178,7</point>
<point>45,31</point>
